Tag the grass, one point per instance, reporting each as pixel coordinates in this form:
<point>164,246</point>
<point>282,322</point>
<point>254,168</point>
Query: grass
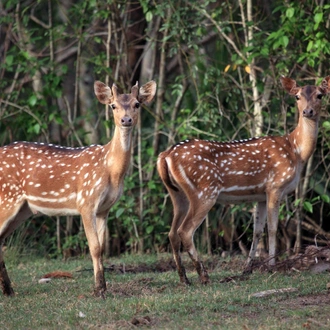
<point>156,300</point>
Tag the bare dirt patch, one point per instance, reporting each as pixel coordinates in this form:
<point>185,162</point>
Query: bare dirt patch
<point>134,288</point>
<point>309,300</point>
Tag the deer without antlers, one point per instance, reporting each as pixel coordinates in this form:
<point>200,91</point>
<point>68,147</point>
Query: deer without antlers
<point>54,180</point>
<point>199,173</point>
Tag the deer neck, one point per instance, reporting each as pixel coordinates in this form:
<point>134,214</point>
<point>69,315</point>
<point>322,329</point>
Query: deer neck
<point>304,137</point>
<point>119,152</point>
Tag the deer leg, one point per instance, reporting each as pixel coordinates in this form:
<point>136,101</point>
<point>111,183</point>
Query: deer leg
<point>14,218</point>
<point>5,284</point>
<point>260,215</point>
<point>181,205</point>
<point>196,215</point>
<point>272,223</point>
<point>101,223</point>
<point>95,250</point>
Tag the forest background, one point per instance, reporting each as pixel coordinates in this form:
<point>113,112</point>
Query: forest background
<point>217,66</point>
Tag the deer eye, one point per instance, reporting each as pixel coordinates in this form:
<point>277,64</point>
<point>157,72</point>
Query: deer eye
<point>113,106</point>
<point>137,105</point>
<point>297,97</point>
<point>319,96</point>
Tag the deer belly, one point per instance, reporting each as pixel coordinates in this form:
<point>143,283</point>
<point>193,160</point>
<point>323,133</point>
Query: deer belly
<point>53,205</point>
<point>236,199</point>
<point>242,193</point>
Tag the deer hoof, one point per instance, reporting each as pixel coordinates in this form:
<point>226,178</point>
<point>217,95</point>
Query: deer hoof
<point>204,279</point>
<point>100,292</point>
<point>184,280</point>
<point>8,291</point>
<point>247,270</point>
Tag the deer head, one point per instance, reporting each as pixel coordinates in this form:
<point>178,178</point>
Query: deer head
<point>122,103</point>
<point>308,97</point>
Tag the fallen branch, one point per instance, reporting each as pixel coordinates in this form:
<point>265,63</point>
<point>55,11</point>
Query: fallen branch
<point>311,226</point>
<point>266,293</point>
<point>58,274</point>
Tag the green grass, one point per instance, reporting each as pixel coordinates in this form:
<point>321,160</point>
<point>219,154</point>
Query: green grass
<point>157,300</point>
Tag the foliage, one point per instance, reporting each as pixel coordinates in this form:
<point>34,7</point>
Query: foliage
<point>208,70</point>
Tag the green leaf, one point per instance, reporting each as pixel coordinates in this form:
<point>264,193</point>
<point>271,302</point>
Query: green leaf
<point>284,41</point>
<point>36,128</point>
<point>32,100</point>
<point>273,35</point>
<point>151,185</point>
<point>326,125</point>
<point>26,55</point>
<point>264,51</point>
<point>64,69</point>
<point>149,16</point>
<point>149,229</point>
<point>308,207</point>
<point>310,45</point>
<point>289,12</point>
<point>311,62</point>
<point>119,212</point>
<point>325,198</point>
<point>9,60</point>
<point>318,18</point>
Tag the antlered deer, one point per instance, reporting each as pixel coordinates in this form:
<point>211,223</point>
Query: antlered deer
<point>55,180</point>
<point>199,173</point>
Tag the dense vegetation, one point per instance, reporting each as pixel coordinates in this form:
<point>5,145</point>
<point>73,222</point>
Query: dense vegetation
<point>217,65</point>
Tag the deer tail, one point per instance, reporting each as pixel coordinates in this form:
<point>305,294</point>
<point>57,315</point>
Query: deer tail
<point>164,171</point>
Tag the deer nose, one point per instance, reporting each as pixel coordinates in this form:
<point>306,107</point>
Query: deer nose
<point>126,121</point>
<point>308,113</point>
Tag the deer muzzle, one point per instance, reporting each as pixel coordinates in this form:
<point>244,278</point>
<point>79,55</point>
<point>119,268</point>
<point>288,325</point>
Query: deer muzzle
<point>126,121</point>
<point>309,113</point>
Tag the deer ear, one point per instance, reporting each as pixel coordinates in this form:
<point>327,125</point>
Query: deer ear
<point>114,91</point>
<point>289,85</point>
<point>325,85</point>
<point>103,92</point>
<point>147,92</point>
<point>135,90</point>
